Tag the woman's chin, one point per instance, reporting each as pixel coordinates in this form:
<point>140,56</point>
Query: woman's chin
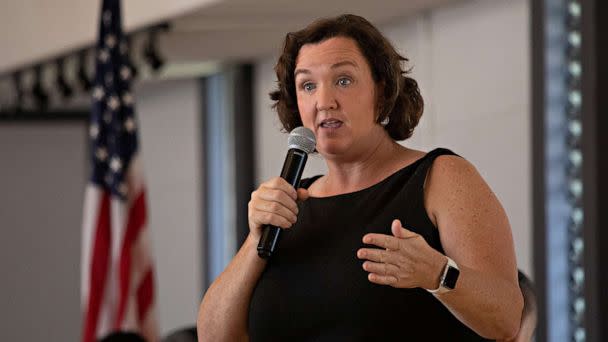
<point>331,150</point>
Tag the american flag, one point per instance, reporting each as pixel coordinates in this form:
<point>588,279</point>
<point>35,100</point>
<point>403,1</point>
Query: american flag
<point>117,279</point>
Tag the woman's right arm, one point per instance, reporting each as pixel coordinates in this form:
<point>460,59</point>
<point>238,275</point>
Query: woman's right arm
<point>223,313</point>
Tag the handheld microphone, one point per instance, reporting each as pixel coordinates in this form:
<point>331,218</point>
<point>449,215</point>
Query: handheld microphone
<point>301,141</point>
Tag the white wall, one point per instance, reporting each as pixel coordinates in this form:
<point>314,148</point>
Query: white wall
<point>169,114</point>
<point>471,60</point>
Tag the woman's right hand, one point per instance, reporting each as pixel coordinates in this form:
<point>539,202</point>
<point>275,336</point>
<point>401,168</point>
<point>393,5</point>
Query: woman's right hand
<point>274,203</point>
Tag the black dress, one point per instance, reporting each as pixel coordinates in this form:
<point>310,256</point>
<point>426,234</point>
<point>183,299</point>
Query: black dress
<point>314,288</point>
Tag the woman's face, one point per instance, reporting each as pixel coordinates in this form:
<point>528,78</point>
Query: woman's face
<point>337,96</point>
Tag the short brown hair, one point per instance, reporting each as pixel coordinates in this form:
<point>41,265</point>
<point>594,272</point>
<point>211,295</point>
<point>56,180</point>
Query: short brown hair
<point>400,99</point>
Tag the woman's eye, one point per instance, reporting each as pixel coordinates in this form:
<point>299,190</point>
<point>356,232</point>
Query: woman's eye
<point>308,86</point>
<point>344,81</point>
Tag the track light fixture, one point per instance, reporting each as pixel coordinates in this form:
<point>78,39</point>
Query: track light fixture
<point>18,91</point>
<point>38,91</point>
<point>151,50</point>
<point>128,41</point>
<point>83,76</point>
<point>64,88</point>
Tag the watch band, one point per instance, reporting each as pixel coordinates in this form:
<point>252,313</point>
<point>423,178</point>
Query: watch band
<point>442,288</point>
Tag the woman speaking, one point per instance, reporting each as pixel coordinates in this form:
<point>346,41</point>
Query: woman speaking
<point>392,244</point>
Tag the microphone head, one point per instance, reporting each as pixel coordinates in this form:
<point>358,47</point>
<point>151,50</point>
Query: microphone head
<point>302,138</point>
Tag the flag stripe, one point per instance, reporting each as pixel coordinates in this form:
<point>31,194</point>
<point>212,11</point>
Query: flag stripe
<point>99,267</point>
<point>137,219</point>
<point>145,295</point>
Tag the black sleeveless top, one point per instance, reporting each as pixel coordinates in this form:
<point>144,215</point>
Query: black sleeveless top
<point>315,289</point>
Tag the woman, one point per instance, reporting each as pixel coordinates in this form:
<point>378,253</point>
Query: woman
<point>392,243</point>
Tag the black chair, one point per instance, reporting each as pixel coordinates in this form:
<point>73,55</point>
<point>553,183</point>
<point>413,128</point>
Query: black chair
<point>187,334</point>
<point>122,336</point>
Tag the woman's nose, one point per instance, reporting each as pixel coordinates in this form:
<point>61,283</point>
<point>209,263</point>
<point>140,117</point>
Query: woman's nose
<point>326,99</point>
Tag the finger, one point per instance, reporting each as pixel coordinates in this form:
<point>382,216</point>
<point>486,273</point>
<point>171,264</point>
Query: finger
<point>279,183</point>
<point>396,229</point>
<point>381,268</point>
<point>302,194</point>
<point>382,240</point>
<point>275,208</point>
<point>278,196</point>
<point>265,218</point>
<point>381,279</point>
<point>400,232</point>
<point>378,255</point>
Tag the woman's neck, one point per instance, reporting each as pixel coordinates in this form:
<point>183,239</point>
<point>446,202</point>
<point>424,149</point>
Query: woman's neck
<point>370,167</point>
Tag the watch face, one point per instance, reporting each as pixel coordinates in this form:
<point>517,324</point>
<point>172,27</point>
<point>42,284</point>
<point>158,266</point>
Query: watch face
<point>451,277</point>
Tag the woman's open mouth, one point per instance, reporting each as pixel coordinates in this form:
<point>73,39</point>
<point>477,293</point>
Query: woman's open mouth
<point>330,123</point>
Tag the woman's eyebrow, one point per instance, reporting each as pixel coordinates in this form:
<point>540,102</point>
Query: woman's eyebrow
<point>334,66</point>
<point>340,64</point>
<point>301,71</point>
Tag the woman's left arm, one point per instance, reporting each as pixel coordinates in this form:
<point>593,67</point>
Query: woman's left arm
<point>475,233</point>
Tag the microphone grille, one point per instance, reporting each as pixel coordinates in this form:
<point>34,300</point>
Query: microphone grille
<point>302,138</point>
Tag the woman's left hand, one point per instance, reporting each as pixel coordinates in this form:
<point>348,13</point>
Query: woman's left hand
<point>405,260</point>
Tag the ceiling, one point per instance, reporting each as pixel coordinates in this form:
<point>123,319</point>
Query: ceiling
<point>35,31</point>
<point>202,32</point>
<point>245,29</point>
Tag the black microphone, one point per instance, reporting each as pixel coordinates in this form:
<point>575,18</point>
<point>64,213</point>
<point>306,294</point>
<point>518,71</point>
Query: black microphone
<point>301,141</point>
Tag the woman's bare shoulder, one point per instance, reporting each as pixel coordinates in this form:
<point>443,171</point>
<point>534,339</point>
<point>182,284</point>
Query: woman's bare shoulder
<point>452,168</point>
<point>454,181</point>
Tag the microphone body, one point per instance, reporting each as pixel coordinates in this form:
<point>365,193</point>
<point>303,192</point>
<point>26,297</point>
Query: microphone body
<point>300,143</point>
<point>292,173</point>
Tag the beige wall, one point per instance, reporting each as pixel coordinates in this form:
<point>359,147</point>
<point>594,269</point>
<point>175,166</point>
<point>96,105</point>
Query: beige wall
<point>471,60</point>
<point>169,116</point>
<point>41,190</point>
